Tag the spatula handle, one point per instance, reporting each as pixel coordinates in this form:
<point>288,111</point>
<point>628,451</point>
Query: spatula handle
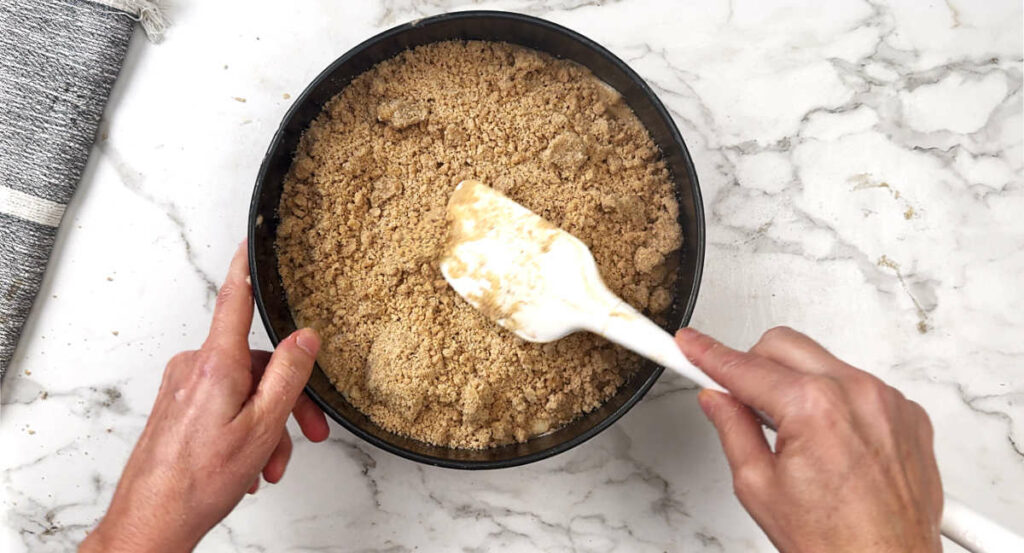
<point>976,533</point>
<point>630,329</point>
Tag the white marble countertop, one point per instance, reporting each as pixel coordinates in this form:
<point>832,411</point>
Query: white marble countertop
<point>861,165</point>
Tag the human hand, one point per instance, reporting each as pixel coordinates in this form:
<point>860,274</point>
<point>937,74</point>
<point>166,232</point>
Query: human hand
<point>217,423</point>
<point>852,469</point>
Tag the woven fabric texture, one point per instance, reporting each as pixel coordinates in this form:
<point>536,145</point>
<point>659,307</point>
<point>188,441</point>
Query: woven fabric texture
<point>58,62</point>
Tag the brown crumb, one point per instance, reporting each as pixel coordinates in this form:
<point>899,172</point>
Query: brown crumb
<point>363,227</point>
<point>401,113</point>
<point>647,259</point>
<point>30,431</point>
<point>239,99</point>
<point>567,151</point>
<point>27,372</point>
<point>286,95</point>
<point>660,300</point>
<point>114,332</point>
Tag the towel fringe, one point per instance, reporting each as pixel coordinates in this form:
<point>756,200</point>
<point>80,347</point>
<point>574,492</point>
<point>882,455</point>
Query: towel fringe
<point>147,12</point>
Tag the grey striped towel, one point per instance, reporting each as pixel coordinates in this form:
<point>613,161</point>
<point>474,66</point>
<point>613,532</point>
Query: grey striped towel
<point>58,61</point>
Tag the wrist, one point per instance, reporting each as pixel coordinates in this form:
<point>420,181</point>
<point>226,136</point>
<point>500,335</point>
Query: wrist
<point>115,536</point>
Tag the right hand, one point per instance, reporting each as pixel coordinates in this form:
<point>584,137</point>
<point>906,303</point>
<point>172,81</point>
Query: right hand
<point>853,468</point>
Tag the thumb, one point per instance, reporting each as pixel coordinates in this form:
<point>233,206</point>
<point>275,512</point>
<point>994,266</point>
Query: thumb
<point>286,374</point>
<point>739,431</point>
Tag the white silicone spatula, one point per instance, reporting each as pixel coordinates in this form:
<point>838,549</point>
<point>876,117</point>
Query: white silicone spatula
<point>542,283</point>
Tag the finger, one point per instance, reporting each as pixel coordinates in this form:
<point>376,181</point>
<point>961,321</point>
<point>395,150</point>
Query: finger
<point>274,469</point>
<point>286,374</point>
<point>232,316</point>
<point>750,457</point>
<point>752,379</point>
<point>311,419</point>
<point>255,486</point>
<point>797,351</point>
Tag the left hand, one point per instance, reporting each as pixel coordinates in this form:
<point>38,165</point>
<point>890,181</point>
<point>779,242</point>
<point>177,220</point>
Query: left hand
<point>218,422</point>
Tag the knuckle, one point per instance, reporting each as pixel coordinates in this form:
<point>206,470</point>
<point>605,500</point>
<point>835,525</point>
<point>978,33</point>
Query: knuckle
<point>919,411</point>
<point>266,433</point>
<point>289,368</point>
<point>222,356</point>
<point>177,367</point>
<point>748,481</point>
<point>923,420</point>
<point>704,346</point>
<point>861,380</point>
<point>890,398</point>
<point>226,293</point>
<point>217,364</point>
<point>777,334</point>
<point>819,395</point>
<point>734,361</point>
<point>206,360</point>
<point>180,359</point>
<point>874,395</point>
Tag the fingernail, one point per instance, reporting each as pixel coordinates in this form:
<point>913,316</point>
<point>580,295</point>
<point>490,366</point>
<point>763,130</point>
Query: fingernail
<point>308,341</point>
<point>706,401</point>
<point>686,332</point>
